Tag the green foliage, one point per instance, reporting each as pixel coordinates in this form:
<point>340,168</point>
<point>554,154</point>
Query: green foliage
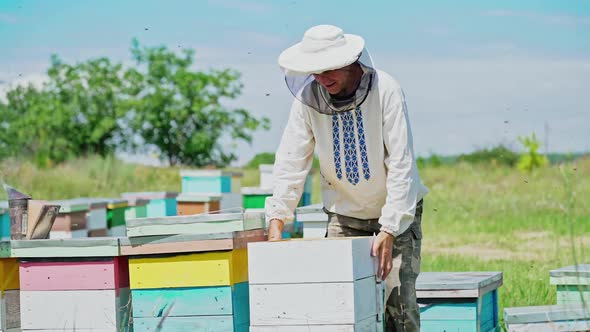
<point>499,155</point>
<point>89,94</point>
<point>433,160</point>
<point>97,107</point>
<point>35,126</point>
<point>75,113</point>
<point>269,158</point>
<point>179,111</point>
<point>531,159</point>
<point>261,158</point>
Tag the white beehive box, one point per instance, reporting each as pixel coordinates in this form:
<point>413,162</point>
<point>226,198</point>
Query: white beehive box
<point>316,284</point>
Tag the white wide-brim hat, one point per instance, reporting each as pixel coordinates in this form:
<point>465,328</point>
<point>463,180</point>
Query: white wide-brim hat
<point>323,47</point>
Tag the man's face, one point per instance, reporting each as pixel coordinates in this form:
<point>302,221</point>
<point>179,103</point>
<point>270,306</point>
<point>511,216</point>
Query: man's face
<point>336,81</point>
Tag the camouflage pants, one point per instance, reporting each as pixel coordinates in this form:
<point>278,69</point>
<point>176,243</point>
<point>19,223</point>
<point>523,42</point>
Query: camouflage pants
<point>402,313</point>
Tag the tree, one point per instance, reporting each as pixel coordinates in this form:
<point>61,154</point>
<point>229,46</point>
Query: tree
<point>34,127</point>
<point>531,159</point>
<point>90,94</point>
<point>180,112</point>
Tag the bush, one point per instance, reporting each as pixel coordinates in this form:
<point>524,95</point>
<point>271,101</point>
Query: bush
<point>499,155</point>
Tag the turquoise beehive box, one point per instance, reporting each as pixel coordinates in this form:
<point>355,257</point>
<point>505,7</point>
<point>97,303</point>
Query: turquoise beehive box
<point>161,203</point>
<point>4,221</point>
<point>572,283</point>
<point>206,181</point>
<point>458,301</point>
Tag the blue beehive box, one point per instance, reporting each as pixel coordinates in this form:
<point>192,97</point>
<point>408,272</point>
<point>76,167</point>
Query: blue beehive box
<point>206,181</point>
<point>458,301</point>
<point>573,283</point>
<point>548,318</point>
<point>4,221</point>
<point>161,203</point>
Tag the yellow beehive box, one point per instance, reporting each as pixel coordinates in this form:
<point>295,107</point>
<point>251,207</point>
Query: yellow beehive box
<point>9,274</point>
<point>219,268</point>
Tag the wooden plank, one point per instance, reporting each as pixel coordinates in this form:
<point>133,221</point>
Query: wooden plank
<point>457,284</point>
<point>74,275</point>
<point>198,301</point>
<point>93,203</point>
<point>83,309</point>
<point>310,209</point>
<point>190,242</point>
<point>313,303</point>
<point>149,195</point>
<point>367,325</point>
<point>540,314</point>
<point>72,205</point>
<point>86,247</point>
<point>583,325</point>
<point>580,270</point>
<point>326,260</point>
<point>196,224</point>
<point>10,310</point>
<point>192,270</point>
<point>77,234</point>
<point>569,280</point>
<point>9,274</point>
<point>456,280</point>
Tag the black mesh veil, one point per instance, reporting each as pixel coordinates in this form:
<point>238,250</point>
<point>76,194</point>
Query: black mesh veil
<point>310,93</point>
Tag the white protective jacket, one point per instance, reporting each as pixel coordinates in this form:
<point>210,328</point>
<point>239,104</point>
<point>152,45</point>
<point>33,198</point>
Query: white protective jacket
<point>367,164</point>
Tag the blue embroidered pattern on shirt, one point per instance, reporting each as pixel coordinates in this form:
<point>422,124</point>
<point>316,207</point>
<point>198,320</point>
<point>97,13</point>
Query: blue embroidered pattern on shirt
<point>362,143</point>
<point>336,139</point>
<point>350,155</point>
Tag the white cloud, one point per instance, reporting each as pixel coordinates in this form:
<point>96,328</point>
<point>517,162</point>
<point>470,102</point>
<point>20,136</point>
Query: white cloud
<point>11,81</point>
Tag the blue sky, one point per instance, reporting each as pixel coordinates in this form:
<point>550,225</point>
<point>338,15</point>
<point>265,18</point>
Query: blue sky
<point>476,73</point>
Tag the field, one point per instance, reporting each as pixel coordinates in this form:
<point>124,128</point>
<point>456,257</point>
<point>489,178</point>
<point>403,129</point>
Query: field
<point>477,218</point>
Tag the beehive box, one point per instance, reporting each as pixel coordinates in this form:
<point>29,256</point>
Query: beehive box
<point>71,220</point>
<point>161,203</point>
<point>136,208</point>
<point>572,282</point>
<point>206,181</point>
<point>337,289</point>
<point>194,203</point>
<point>313,219</point>
<point>255,197</point>
<point>210,288</point>
<point>4,221</point>
<point>73,285</point>
<point>116,216</point>
<point>9,290</point>
<point>565,317</point>
<point>458,301</point>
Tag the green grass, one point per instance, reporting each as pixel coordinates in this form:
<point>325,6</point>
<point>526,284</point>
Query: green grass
<point>476,218</point>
